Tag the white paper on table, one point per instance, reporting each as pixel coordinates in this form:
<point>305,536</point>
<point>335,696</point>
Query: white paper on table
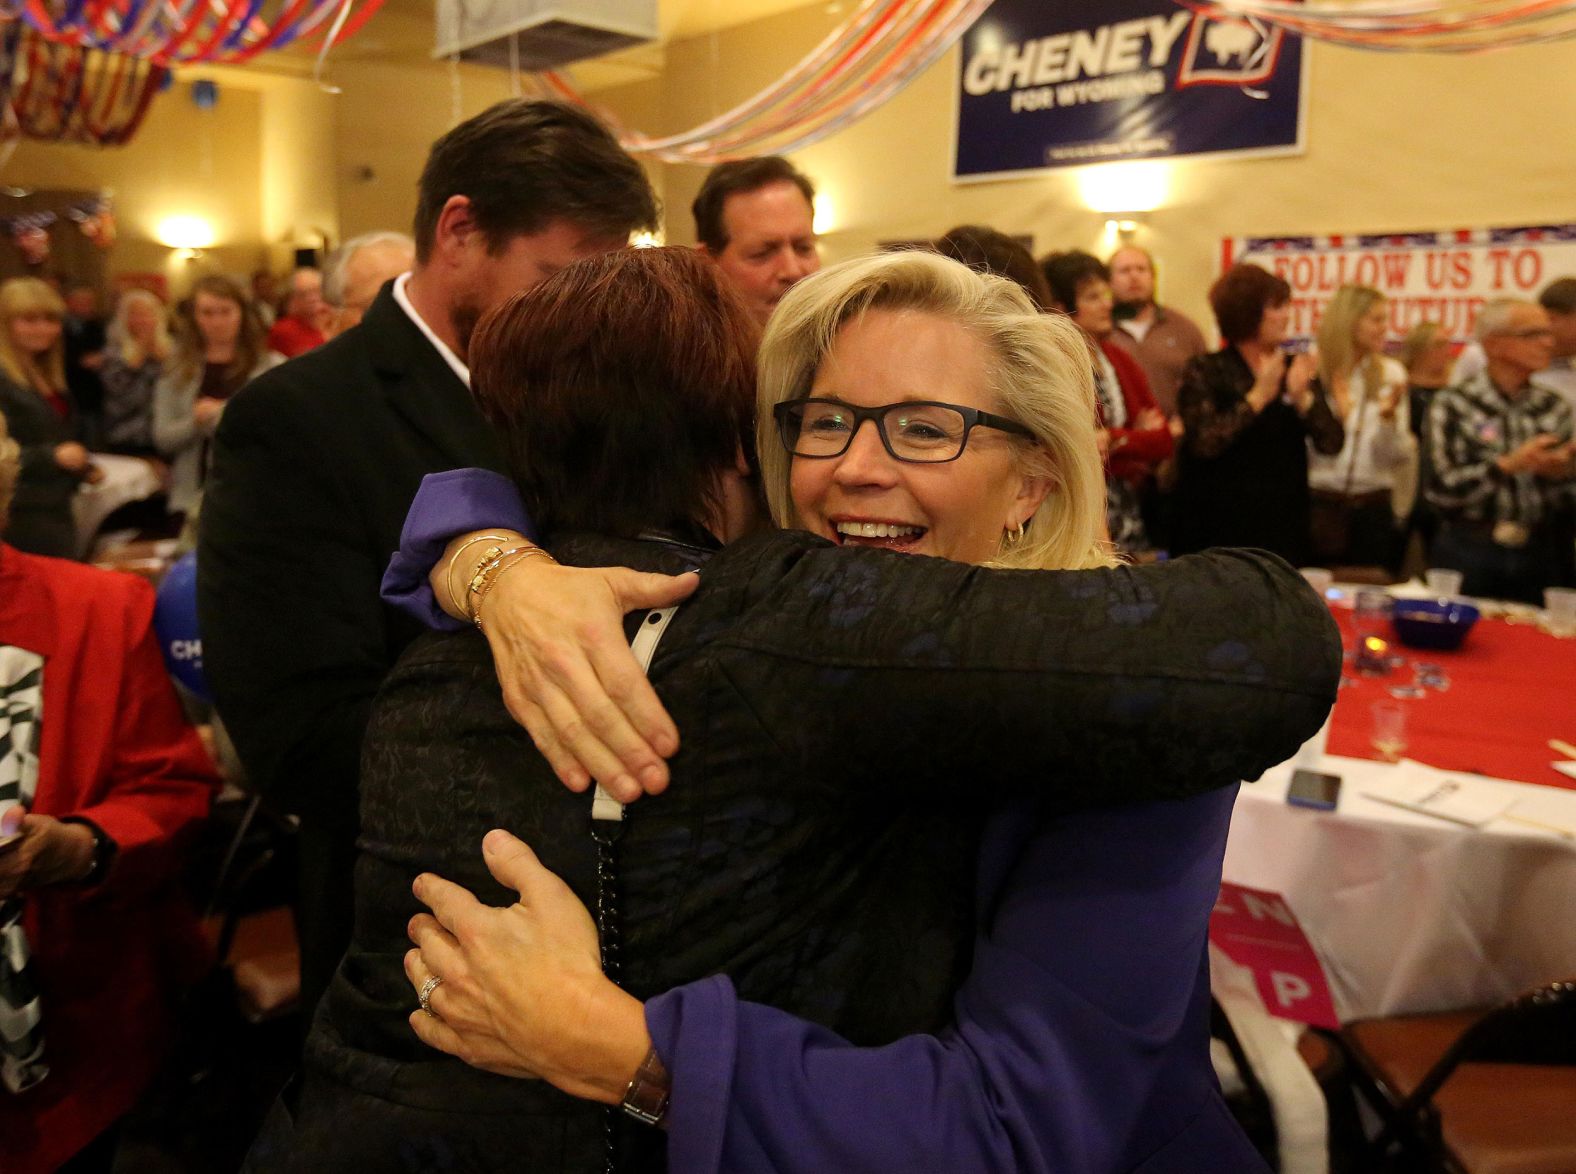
<point>1418,787</point>
<point>1549,812</point>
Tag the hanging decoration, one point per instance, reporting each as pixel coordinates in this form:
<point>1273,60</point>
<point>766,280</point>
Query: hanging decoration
<point>29,231</point>
<point>63,93</point>
<point>187,32</point>
<point>1429,26</point>
<point>31,236</point>
<point>96,220</point>
<point>861,64</point>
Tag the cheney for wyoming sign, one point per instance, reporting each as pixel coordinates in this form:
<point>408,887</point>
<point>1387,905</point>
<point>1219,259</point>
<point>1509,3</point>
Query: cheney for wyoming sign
<point>1066,84</point>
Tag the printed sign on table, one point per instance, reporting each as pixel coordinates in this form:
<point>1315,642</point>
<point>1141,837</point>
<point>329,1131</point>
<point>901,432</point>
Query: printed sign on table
<point>1062,85</point>
<point>1442,277</point>
<point>1257,930</point>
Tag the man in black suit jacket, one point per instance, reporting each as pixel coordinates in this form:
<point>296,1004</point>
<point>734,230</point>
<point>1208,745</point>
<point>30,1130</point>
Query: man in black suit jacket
<point>316,463</point>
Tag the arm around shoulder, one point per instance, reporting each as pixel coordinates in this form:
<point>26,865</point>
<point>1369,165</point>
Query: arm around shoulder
<point>1088,687</point>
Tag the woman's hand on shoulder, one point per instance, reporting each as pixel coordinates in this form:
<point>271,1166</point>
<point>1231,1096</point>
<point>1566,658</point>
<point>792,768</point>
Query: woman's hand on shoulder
<point>522,991</point>
<point>569,677</point>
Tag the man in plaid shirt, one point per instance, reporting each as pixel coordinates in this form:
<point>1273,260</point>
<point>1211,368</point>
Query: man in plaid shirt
<point>1502,461</point>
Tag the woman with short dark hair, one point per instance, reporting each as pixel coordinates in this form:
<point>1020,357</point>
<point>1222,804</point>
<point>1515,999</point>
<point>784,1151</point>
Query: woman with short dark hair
<point>1249,413</point>
<point>1134,435</point>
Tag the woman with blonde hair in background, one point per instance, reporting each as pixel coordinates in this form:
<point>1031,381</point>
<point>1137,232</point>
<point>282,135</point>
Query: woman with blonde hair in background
<point>135,356</point>
<point>43,419</point>
<point>220,347</point>
<point>1359,492</point>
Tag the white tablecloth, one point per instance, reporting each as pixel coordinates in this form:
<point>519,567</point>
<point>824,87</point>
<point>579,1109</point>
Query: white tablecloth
<point>1408,912</point>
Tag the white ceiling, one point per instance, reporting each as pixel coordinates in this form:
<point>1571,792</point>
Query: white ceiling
<point>394,28</point>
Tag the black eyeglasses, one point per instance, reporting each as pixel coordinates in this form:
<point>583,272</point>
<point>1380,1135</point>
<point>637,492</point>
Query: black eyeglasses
<point>919,431</point>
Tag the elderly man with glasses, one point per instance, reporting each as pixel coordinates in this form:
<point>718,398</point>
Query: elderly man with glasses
<point>1502,461</point>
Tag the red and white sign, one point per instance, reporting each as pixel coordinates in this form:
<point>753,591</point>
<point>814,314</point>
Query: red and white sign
<point>1257,930</point>
<point>1442,277</point>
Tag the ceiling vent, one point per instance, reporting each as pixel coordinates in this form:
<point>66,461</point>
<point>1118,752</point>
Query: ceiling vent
<point>547,33</point>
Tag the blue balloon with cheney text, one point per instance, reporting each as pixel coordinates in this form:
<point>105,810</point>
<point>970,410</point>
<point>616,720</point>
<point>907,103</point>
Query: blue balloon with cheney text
<point>175,621</point>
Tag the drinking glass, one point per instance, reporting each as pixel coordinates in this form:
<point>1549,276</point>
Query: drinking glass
<point>1442,583</point>
<point>1389,729</point>
<point>1559,606</point>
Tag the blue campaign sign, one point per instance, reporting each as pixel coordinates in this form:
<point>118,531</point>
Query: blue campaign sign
<point>1067,84</point>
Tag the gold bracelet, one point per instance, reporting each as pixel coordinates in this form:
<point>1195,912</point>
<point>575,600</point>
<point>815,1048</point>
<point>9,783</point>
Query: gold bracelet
<point>448,575</point>
<point>492,570</point>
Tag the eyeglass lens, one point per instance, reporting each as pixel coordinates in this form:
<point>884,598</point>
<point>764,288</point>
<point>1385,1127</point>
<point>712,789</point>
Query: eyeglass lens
<point>914,432</point>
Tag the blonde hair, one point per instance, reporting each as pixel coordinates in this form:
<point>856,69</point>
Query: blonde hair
<point>29,295</point>
<point>1338,338</point>
<point>1041,377</point>
<point>123,344</point>
<point>10,470</point>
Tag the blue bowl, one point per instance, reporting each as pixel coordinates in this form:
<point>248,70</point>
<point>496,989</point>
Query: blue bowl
<point>1433,623</point>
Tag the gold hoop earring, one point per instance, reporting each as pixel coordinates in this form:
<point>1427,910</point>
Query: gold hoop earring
<point>1014,535</point>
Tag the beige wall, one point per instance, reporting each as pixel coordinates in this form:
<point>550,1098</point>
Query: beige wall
<point>1394,142</point>
<point>258,166</point>
<point>183,161</point>
<point>388,117</point>
<point>300,198</point>
<point>380,154</point>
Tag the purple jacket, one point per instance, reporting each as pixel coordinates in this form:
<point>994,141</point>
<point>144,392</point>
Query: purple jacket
<point>1081,1034</point>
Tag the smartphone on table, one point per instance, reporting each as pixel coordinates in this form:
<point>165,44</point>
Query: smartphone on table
<point>1312,788</point>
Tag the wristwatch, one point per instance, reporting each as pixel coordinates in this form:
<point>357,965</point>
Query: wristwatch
<point>104,850</point>
<point>646,1098</point>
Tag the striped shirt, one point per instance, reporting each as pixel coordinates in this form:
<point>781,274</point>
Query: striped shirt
<point>1472,425</point>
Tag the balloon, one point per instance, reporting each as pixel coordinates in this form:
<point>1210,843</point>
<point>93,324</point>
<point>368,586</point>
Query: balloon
<point>175,621</point>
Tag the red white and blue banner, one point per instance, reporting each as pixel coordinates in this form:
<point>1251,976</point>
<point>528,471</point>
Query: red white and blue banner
<point>1062,85</point>
<point>1442,277</point>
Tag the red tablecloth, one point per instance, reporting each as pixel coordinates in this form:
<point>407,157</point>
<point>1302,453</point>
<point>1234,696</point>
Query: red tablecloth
<point>1512,688</point>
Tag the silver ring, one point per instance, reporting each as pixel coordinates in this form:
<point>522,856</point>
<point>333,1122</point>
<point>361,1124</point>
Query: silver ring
<point>424,996</point>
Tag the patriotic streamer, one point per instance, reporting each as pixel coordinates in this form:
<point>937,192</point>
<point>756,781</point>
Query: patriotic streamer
<point>187,32</point>
<point>861,64</point>
<point>63,93</point>
<point>1400,26</point>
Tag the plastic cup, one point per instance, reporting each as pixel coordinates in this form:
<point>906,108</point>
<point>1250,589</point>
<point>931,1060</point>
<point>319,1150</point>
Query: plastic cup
<point>1319,579</point>
<point>1389,729</point>
<point>1444,583</point>
<point>1559,607</point>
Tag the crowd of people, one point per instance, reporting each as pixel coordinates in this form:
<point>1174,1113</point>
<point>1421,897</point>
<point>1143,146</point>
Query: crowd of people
<point>428,483</point>
<point>116,415</point>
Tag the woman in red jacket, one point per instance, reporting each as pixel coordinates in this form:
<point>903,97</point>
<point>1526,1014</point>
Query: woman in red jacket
<point>1135,437</point>
<point>99,777</point>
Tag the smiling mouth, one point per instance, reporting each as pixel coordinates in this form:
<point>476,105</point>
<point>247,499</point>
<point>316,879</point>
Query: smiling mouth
<point>883,535</point>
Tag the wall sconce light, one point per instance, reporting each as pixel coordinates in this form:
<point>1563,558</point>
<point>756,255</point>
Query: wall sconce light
<point>646,240</point>
<point>824,219</point>
<point>1122,189</point>
<point>187,235</point>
